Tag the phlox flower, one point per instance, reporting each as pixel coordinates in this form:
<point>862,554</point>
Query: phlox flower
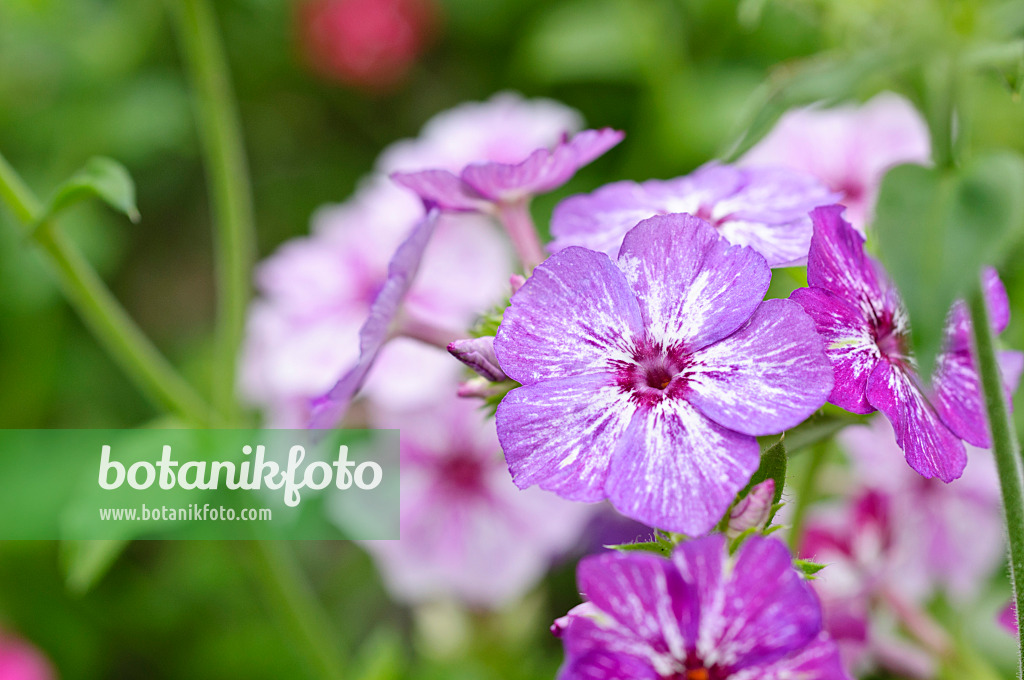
<point>893,540</point>
<point>849,148</point>
<point>316,292</point>
<point>859,314</point>
<point>505,189</point>
<point>645,380</point>
<point>701,615</point>
<point>467,533</point>
<point>765,209</point>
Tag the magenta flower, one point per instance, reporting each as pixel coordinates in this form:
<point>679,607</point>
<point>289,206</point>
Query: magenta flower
<point>849,148</point>
<point>645,380</point>
<point>19,660</point>
<point>765,209</point>
<point>467,533</point>
<point>859,314</point>
<point>700,616</point>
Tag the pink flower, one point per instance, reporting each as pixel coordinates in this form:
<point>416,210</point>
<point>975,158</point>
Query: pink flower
<point>366,43</point>
<point>467,532</point>
<point>849,148</point>
<point>19,660</point>
<point>895,540</point>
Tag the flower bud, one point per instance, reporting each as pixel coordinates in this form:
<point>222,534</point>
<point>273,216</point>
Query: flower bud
<point>478,354</point>
<point>753,511</point>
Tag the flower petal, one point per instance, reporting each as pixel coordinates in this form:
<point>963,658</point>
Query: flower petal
<point>605,651</point>
<point>837,262</point>
<point>646,596</point>
<point>958,325</point>
<point>693,287</point>
<point>677,470</point>
<point>930,446</point>
<point>328,410</point>
<point>542,171</point>
<point>600,664</point>
<point>817,661</point>
<point>561,434</point>
<point>849,344</point>
<point>763,612</point>
<point>442,189</point>
<point>574,315</point>
<point>957,397</point>
<point>770,375</point>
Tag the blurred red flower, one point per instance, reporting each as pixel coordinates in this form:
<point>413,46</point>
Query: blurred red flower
<point>365,43</point>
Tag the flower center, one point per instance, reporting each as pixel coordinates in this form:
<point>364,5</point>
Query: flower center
<point>891,344</point>
<point>462,473</point>
<point>653,373</point>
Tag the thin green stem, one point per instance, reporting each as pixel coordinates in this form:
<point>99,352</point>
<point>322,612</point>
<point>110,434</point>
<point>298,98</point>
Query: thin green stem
<point>228,180</point>
<point>101,311</point>
<point>804,493</point>
<point>1005,447</point>
<point>299,612</point>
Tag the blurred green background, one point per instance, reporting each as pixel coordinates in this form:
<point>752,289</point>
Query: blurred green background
<point>80,78</point>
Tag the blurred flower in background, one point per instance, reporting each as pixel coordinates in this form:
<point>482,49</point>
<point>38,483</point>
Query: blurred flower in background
<point>19,660</point>
<point>370,44</point>
<point>895,540</point>
<point>848,147</point>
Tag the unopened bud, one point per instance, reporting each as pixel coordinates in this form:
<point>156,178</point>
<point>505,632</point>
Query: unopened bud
<point>478,354</point>
<point>753,511</point>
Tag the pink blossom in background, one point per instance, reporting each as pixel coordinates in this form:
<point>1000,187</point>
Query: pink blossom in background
<point>467,532</point>
<point>19,660</point>
<point>366,43</point>
<point>316,291</point>
<point>895,540</point>
<point>849,147</point>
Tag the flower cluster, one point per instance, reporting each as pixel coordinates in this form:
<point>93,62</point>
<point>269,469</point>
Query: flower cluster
<point>639,363</point>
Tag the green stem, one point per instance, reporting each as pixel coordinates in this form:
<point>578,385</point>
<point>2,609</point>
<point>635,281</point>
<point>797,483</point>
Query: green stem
<point>1005,448</point>
<point>293,598</point>
<point>100,310</point>
<point>228,180</point>
<point>804,493</point>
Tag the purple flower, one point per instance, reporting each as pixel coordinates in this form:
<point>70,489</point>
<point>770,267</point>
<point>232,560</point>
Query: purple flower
<point>849,148</point>
<point>481,185</point>
<point>765,209</point>
<point>645,380</point>
<point>375,331</point>
<point>859,314</point>
<point>19,660</point>
<point>466,531</point>
<point>700,616</point>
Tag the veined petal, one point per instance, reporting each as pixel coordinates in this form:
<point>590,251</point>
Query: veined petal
<point>328,410</point>
<point>561,434</point>
<point>770,375</point>
<point>574,315</point>
<point>930,446</point>
<point>443,189</point>
<point>819,660</point>
<point>958,324</point>
<point>762,612</point>
<point>849,344</point>
<point>837,262</point>
<point>677,470</point>
<point>646,596</point>
<point>605,651</point>
<point>957,397</point>
<point>694,287</point>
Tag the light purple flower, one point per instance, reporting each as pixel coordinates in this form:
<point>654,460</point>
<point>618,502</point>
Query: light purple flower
<point>859,314</point>
<point>379,325</point>
<point>466,531</point>
<point>849,147</point>
<point>645,380</point>
<point>765,209</point>
<point>480,186</point>
<point>702,615</point>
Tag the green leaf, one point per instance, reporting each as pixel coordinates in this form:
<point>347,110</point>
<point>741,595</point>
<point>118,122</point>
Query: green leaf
<point>773,466</point>
<point>86,562</point>
<point>381,657</point>
<point>937,228</point>
<point>658,547</point>
<point>808,568</point>
<point>102,178</point>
